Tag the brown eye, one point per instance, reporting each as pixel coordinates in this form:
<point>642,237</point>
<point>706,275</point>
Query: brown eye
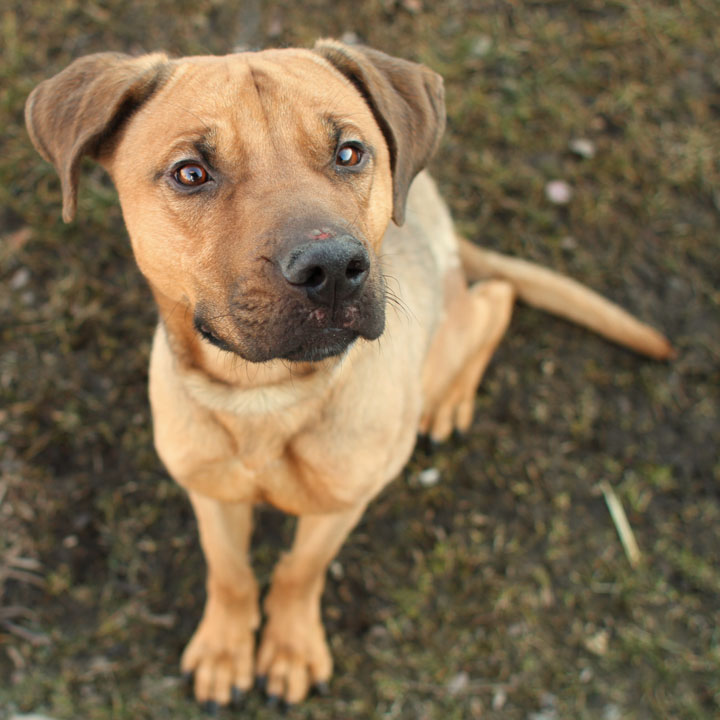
<point>191,175</point>
<point>349,155</point>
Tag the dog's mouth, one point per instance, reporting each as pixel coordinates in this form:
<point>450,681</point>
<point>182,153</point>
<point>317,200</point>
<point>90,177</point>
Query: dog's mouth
<point>295,335</point>
<point>331,343</point>
<point>207,333</point>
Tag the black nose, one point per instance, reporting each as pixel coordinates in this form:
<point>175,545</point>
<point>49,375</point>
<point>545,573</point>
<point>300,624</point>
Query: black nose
<point>327,270</point>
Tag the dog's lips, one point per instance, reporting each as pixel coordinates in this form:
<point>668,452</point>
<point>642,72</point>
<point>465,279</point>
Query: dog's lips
<point>343,318</point>
<point>329,342</point>
<point>209,334</point>
<point>321,338</point>
<point>327,333</point>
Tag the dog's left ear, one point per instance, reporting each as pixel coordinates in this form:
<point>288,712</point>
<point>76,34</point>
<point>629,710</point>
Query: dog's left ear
<point>408,102</point>
<point>80,111</point>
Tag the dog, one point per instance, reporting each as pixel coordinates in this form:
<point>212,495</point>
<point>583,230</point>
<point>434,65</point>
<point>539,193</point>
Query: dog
<point>317,309</point>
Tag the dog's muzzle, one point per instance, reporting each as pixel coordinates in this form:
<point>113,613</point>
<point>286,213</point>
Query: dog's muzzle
<point>316,294</point>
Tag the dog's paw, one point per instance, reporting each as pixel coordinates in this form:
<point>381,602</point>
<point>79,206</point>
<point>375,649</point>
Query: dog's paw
<point>219,657</point>
<point>293,656</point>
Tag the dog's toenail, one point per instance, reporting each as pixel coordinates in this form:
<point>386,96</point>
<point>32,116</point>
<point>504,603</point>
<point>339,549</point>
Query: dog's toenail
<point>427,445</point>
<point>322,689</point>
<point>210,708</point>
<point>459,436</point>
<point>237,697</point>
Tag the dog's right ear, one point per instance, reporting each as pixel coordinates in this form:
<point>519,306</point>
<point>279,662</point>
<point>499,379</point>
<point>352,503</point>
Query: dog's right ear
<point>79,111</point>
<point>408,102</point>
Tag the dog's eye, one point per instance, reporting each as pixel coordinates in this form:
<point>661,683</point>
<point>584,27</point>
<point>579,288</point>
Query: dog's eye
<point>191,175</point>
<point>349,155</point>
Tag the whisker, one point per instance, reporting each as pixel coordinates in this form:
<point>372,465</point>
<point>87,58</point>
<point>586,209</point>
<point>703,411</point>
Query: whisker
<point>393,299</point>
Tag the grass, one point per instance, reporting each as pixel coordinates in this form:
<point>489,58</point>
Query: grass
<point>502,591</point>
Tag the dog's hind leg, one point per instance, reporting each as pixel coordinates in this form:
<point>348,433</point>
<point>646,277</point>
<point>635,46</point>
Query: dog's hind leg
<point>475,322</point>
<point>294,654</point>
<point>220,654</point>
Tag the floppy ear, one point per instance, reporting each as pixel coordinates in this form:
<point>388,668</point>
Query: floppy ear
<point>78,111</point>
<point>407,100</point>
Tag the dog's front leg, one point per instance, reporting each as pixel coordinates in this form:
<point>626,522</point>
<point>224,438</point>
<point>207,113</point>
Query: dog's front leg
<point>220,654</point>
<point>293,653</point>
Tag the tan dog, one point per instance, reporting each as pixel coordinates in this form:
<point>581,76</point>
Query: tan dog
<point>258,191</point>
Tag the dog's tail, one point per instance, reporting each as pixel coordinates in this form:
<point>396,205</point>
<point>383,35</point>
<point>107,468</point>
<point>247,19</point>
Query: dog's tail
<point>559,295</point>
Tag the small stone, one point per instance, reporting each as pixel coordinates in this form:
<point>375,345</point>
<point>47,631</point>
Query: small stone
<point>412,6</point>
<point>558,192</point>
<point>481,46</point>
<point>350,38</point>
<point>598,643</point>
<point>499,699</point>
<point>458,683</point>
<point>429,477</point>
<point>20,279</point>
<point>70,541</point>
<point>583,147</point>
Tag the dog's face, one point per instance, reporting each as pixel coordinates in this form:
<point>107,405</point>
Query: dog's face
<point>257,187</point>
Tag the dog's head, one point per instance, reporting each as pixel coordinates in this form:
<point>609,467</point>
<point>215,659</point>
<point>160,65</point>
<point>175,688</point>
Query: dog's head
<point>256,187</point>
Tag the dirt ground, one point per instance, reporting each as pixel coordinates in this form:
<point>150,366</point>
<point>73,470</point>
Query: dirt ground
<point>501,591</point>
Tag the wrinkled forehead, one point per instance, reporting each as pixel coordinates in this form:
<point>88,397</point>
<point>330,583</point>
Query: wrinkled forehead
<point>252,102</point>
